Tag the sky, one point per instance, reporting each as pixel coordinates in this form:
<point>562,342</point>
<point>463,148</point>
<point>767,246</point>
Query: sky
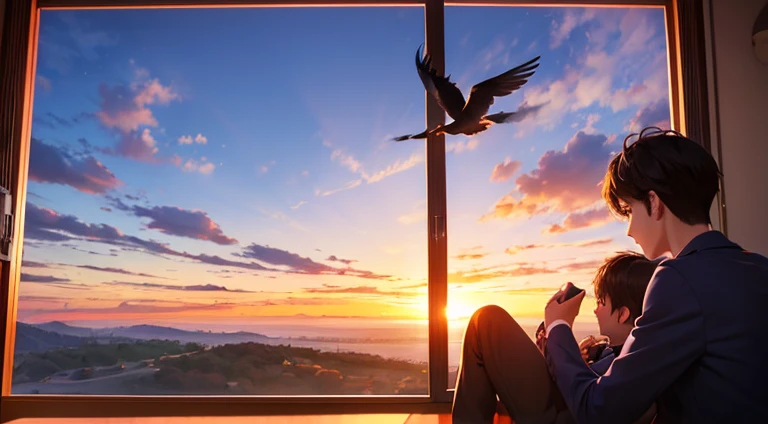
<point>209,167</point>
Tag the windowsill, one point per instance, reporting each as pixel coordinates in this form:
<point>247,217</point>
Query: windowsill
<point>71,410</point>
<point>317,419</point>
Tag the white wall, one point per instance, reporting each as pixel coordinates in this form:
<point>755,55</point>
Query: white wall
<point>742,106</point>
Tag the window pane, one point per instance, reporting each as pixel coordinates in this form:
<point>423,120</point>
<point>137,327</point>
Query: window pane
<point>215,205</point>
<point>524,207</point>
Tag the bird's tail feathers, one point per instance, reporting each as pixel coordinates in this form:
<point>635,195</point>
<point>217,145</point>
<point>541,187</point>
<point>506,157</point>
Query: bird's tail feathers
<point>422,134</point>
<point>501,117</point>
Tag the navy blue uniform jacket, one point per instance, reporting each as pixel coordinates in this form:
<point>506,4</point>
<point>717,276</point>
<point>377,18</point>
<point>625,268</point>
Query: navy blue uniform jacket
<point>699,349</point>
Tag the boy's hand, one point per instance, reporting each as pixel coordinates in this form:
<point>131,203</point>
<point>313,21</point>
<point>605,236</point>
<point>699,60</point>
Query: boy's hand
<point>565,311</point>
<point>587,343</point>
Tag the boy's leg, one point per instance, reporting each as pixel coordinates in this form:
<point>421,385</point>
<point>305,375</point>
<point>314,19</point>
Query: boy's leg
<point>498,357</point>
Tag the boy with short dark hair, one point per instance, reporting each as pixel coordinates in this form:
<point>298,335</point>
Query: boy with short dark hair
<point>698,349</point>
<point>619,285</point>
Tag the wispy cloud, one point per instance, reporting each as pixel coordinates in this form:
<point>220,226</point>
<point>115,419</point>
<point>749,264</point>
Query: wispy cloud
<point>298,205</point>
<point>360,290</point>
<point>334,258</point>
<point>472,253</point>
<point>32,264</point>
<point>397,167</point>
<point>353,165</point>
<point>300,264</point>
<point>512,250</point>
<point>470,256</point>
<point>194,287</point>
<point>461,146</point>
<point>52,281</point>
<point>571,19</point>
<point>116,271</point>
<point>31,278</point>
<point>486,274</point>
<point>350,185</point>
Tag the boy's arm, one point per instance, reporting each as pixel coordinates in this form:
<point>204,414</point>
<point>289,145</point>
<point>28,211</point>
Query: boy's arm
<point>667,338</point>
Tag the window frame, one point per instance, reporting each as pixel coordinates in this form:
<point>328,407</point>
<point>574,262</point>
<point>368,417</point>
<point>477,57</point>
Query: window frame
<point>18,55</point>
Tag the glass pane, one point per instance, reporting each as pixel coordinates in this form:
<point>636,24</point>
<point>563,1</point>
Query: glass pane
<point>215,205</point>
<point>524,207</point>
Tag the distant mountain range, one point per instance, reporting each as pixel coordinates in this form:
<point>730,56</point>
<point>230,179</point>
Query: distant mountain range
<point>32,339</point>
<point>52,335</point>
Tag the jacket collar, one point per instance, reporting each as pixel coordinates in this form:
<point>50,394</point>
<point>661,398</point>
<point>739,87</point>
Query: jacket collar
<point>712,239</point>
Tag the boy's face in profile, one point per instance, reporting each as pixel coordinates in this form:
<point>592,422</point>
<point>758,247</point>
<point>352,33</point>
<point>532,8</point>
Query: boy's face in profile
<point>644,230</point>
<point>608,320</point>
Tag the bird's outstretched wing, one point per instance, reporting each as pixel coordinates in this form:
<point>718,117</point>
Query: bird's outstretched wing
<point>482,94</point>
<point>447,94</point>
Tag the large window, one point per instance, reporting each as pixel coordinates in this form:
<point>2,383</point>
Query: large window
<point>524,208</point>
<point>215,206</point>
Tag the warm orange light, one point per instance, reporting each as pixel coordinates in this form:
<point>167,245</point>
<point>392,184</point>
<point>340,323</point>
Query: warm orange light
<point>458,310</point>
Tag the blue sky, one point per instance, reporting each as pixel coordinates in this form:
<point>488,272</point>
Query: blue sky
<point>218,165</point>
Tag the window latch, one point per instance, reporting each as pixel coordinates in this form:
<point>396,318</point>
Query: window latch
<point>6,224</point>
<point>438,227</point>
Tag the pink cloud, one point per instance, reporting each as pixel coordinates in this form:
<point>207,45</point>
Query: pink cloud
<point>202,167</point>
<point>136,145</point>
<point>504,171</point>
<point>125,107</point>
<point>565,180</point>
<point>585,219</point>
<point>151,92</point>
<point>188,139</point>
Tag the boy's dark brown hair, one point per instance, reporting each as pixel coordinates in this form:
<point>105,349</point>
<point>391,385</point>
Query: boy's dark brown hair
<point>681,172</point>
<point>624,278</point>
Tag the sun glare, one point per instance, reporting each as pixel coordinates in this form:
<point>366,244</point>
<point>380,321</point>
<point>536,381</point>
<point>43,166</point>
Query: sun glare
<point>458,310</point>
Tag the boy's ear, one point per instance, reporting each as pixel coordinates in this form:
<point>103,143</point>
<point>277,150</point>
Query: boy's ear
<point>623,315</point>
<point>657,206</point>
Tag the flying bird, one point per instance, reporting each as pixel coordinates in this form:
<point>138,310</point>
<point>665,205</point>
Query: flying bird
<point>469,117</point>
